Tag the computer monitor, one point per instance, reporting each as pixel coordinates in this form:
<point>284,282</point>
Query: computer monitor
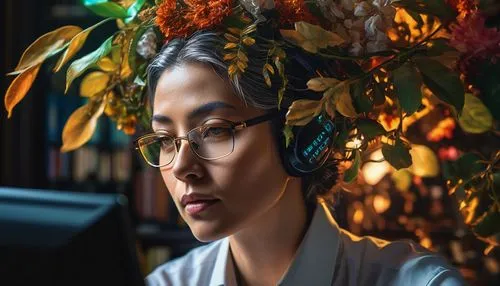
<point>66,238</point>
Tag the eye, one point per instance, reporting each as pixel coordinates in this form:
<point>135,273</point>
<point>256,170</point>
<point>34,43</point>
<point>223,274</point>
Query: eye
<point>166,143</point>
<point>216,132</point>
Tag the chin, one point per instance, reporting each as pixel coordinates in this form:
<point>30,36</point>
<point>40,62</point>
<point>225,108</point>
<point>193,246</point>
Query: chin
<point>206,231</point>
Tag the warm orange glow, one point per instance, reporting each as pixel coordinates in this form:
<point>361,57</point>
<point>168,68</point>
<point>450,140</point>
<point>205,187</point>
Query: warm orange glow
<point>426,242</point>
<point>358,216</point>
<point>406,29</point>
<point>381,203</point>
<point>373,172</point>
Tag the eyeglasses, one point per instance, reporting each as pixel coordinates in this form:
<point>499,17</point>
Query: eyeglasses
<point>210,141</point>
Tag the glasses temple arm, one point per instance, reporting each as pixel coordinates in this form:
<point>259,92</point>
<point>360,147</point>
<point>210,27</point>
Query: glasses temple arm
<point>259,119</point>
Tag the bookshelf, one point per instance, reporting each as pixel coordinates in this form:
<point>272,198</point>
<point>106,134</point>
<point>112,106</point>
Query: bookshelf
<point>31,140</point>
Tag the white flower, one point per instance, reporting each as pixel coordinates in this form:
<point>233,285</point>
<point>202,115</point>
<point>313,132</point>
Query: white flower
<point>255,7</point>
<point>364,9</point>
<point>356,49</point>
<point>373,25</point>
<point>347,4</point>
<point>379,43</point>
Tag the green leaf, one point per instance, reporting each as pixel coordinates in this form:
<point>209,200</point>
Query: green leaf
<point>489,224</point>
<point>361,102</point>
<point>438,46</point>
<point>288,133</point>
<point>464,167</point>
<point>75,45</point>
<point>378,93</point>
<point>398,155</point>
<point>341,138</point>
<point>442,81</point>
<point>475,118</point>
<point>106,8</point>
<point>351,173</point>
<point>425,163</point>
<point>370,128</point>
<point>139,81</point>
<point>407,85</point>
<point>486,80</point>
<point>78,67</point>
<point>133,10</point>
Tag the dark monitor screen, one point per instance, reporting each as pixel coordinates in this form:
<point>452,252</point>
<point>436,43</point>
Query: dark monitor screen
<point>66,238</point>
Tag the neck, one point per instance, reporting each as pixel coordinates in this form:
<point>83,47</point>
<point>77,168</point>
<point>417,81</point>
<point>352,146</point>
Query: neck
<point>263,251</point>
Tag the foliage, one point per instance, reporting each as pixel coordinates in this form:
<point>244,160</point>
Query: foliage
<point>403,75</point>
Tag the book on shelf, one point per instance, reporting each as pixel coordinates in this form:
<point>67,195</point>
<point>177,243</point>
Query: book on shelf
<point>152,199</point>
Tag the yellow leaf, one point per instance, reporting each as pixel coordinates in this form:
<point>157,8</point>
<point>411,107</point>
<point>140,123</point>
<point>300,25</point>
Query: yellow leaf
<point>232,70</point>
<point>302,111</point>
<point>81,125</point>
<point>228,57</point>
<point>317,35</point>
<point>126,70</point>
<point>269,68</point>
<point>295,37</point>
<point>248,41</point>
<point>230,46</point>
<point>321,83</point>
<point>250,29</point>
<point>19,87</point>
<point>46,46</point>
<point>330,109</point>
<point>234,31</point>
<point>93,83</point>
<point>75,45</point>
<point>425,162</point>
<point>311,37</point>
<point>241,66</point>
<point>344,102</point>
<point>267,79</point>
<point>231,38</point>
<point>242,56</point>
<point>107,65</point>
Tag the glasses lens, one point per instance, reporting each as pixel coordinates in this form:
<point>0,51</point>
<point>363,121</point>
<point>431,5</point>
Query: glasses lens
<point>158,150</point>
<point>212,141</point>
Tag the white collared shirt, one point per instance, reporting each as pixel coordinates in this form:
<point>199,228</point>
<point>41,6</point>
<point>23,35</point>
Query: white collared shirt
<point>328,255</point>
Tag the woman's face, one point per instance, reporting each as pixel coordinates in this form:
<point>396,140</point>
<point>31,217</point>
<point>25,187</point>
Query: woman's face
<point>238,188</point>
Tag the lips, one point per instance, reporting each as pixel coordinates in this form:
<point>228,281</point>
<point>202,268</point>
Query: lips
<point>197,203</point>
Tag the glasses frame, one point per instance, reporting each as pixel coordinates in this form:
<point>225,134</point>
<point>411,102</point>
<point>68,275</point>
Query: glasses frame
<point>235,126</point>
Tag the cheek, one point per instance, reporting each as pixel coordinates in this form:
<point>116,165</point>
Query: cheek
<point>252,176</point>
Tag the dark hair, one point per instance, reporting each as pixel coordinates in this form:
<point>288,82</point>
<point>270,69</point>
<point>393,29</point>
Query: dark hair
<point>205,46</point>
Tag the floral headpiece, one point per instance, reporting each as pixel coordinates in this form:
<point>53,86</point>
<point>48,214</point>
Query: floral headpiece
<point>408,58</point>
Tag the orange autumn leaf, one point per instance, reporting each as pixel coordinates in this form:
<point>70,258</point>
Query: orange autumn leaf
<point>75,45</point>
<point>81,125</point>
<point>19,87</point>
<point>46,46</point>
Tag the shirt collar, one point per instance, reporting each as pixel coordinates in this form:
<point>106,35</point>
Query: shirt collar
<point>314,261</point>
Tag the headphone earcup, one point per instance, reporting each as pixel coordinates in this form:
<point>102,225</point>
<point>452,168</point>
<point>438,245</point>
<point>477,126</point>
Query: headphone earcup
<point>309,148</point>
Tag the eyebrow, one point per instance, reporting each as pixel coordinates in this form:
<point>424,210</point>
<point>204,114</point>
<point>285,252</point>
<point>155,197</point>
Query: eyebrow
<point>198,112</point>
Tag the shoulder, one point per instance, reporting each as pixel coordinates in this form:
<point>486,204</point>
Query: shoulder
<point>431,270</point>
<point>402,262</point>
<point>196,265</point>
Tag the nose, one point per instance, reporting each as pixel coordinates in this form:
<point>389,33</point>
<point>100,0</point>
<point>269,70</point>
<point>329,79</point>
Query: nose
<point>186,165</point>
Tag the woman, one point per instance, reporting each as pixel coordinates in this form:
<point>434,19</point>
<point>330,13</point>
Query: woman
<point>218,143</point>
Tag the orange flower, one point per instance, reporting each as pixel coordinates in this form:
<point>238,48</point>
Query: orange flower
<point>181,19</point>
<point>205,14</point>
<point>292,11</point>
<point>170,21</point>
